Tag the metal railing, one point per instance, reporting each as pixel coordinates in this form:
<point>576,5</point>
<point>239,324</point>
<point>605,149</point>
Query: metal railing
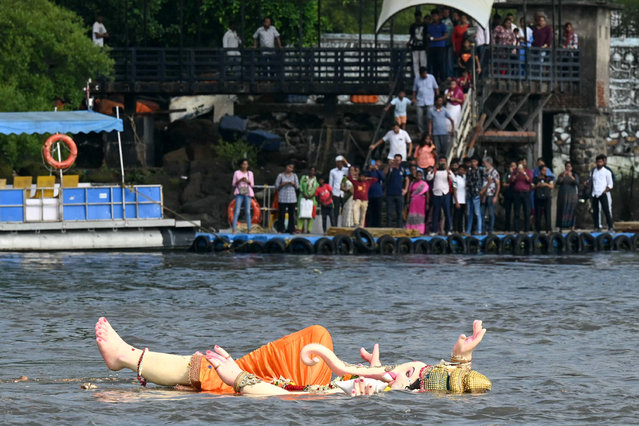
<point>557,68</point>
<point>321,70</point>
<point>327,66</point>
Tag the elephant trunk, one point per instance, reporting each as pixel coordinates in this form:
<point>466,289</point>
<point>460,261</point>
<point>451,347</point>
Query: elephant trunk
<point>336,365</point>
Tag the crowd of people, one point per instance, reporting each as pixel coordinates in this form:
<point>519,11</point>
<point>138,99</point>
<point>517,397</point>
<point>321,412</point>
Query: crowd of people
<point>442,43</point>
<point>429,194</point>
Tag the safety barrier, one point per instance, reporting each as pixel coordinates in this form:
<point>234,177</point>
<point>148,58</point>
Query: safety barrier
<point>363,243</point>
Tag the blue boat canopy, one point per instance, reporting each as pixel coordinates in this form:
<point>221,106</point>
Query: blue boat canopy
<point>57,122</point>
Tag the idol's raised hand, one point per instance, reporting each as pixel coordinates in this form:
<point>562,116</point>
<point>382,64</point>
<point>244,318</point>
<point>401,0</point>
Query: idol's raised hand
<point>372,359</point>
<point>466,345</point>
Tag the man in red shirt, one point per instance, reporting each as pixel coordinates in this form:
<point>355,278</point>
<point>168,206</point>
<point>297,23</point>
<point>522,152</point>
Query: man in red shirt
<point>361,185</point>
<point>520,183</point>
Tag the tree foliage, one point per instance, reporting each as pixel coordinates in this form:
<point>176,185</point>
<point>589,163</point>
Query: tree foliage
<point>45,55</point>
<point>202,23</point>
<point>627,24</point>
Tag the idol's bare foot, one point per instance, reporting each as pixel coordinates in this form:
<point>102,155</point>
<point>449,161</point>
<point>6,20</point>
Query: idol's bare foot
<point>116,352</point>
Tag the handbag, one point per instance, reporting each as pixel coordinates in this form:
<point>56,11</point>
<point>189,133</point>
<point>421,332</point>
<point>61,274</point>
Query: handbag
<point>243,190</point>
<point>306,208</point>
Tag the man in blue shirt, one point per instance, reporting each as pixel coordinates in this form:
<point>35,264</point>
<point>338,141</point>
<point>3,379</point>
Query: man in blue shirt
<point>395,191</point>
<point>438,127</point>
<point>375,193</point>
<point>425,89</point>
<point>437,35</point>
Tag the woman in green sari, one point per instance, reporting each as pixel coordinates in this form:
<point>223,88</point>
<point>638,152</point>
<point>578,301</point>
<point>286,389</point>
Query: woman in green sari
<point>308,186</point>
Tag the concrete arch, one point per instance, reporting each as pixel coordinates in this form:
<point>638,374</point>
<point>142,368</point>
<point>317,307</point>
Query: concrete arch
<point>479,10</point>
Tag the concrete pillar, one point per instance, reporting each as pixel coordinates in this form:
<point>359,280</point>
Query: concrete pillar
<point>588,131</point>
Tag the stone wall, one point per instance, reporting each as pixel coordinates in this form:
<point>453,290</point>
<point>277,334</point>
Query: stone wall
<point>615,132</point>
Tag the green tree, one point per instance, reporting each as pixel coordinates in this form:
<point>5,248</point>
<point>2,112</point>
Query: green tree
<point>628,23</point>
<point>45,55</point>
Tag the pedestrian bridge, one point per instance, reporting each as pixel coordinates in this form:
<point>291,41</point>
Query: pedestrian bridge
<point>322,71</point>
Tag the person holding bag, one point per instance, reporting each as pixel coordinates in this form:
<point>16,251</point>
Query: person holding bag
<point>306,203</point>
<point>243,183</point>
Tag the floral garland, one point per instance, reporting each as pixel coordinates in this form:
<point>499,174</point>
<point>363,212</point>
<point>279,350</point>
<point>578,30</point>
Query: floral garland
<point>289,385</point>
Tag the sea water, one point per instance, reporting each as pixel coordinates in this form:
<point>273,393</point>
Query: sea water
<point>561,345</point>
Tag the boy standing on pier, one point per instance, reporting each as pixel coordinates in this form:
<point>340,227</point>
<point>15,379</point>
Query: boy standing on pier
<point>400,103</point>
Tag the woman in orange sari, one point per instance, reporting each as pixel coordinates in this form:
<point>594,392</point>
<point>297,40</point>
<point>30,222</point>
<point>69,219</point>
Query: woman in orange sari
<point>290,365</point>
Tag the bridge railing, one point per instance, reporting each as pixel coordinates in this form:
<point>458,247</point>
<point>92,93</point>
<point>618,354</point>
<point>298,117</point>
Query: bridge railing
<point>305,65</point>
<point>556,68</point>
<point>329,70</point>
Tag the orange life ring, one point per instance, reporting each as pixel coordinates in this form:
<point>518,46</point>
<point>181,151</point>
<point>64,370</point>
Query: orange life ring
<point>256,211</point>
<point>46,151</point>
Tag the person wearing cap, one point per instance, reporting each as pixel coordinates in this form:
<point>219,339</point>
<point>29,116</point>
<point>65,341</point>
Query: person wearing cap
<point>335,178</point>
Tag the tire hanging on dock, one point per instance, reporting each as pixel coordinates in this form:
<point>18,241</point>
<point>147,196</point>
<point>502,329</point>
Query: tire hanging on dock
<point>201,244</point>
<point>300,245</point>
<point>438,246</point>
<point>573,242</point>
<point>473,246</point>
<point>622,243</point>
<point>324,246</point>
<point>421,246</point>
<point>386,245</point>
<point>557,243</point>
<point>604,242</point>
<point>523,245</point>
<point>540,244</point>
<point>588,242</point>
<point>508,244</point>
<point>364,241</point>
<point>343,244</point>
<point>221,243</point>
<point>255,247</point>
<point>404,245</point>
<point>275,246</point>
<point>456,244</point>
<point>240,246</point>
<point>491,244</point>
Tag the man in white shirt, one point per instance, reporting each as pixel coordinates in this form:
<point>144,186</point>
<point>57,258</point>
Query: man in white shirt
<point>399,141</point>
<point>335,178</point>
<point>459,198</point>
<point>231,40</point>
<point>482,41</point>
<point>440,180</point>
<point>601,185</point>
<point>267,35</point>
<point>425,89</point>
<point>99,32</point>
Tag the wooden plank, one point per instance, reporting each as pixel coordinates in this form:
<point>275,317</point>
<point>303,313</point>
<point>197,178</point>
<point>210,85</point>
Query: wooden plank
<point>493,136</point>
<point>376,232</point>
<point>630,226</point>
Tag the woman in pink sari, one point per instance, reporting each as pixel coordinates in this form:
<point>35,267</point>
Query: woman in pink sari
<point>418,191</point>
